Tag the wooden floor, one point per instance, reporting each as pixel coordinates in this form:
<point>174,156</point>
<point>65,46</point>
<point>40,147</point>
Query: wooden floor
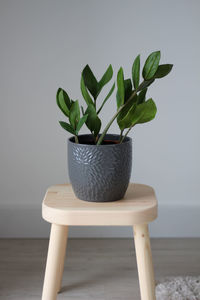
<point>95,269</point>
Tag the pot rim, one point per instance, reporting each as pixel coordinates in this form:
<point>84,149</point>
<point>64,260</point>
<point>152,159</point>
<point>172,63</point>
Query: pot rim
<point>127,140</point>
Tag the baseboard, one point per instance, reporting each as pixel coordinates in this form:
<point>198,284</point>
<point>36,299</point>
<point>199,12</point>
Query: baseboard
<point>25,221</point>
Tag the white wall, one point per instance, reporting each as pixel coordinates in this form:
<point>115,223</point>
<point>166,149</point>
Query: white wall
<point>44,45</point>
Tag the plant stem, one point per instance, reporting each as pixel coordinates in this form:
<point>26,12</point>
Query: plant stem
<point>76,139</point>
<point>126,134</point>
<point>121,135</point>
<point>107,127</point>
<point>115,115</point>
<point>100,108</point>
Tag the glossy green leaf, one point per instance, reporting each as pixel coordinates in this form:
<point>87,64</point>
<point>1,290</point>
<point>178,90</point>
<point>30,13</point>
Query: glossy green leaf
<point>80,123</point>
<point>124,112</point>
<point>126,121</point>
<point>120,86</point>
<point>85,93</point>
<point>145,84</point>
<point>146,111</point>
<point>163,70</point>
<point>127,89</point>
<point>127,92</point>
<point>63,101</point>
<point>118,100</point>
<point>105,78</point>
<point>93,122</point>
<point>107,97</point>
<point>90,81</point>
<point>136,72</point>
<point>141,96</point>
<point>74,114</point>
<point>151,65</point>
<point>139,113</point>
<point>67,127</point>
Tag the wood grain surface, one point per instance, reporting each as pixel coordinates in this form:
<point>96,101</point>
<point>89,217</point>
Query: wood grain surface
<point>61,206</point>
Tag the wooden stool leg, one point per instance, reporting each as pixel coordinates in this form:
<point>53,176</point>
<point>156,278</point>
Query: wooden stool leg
<point>62,259</point>
<point>144,262</point>
<point>57,244</point>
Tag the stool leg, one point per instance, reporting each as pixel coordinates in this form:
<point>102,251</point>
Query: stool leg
<point>57,244</point>
<point>62,259</point>
<point>144,262</point>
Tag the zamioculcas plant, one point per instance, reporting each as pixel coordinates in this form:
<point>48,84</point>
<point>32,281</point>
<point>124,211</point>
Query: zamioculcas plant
<point>132,106</point>
<point>99,163</point>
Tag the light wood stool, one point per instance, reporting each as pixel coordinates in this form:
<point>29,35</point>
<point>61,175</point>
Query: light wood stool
<point>62,209</point>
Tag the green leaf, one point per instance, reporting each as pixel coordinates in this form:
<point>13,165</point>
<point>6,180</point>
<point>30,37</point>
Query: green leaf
<point>136,72</point>
<point>118,100</point>
<point>124,112</point>
<point>128,89</point>
<point>126,120</point>
<point>105,78</point>
<point>90,81</point>
<point>63,101</point>
<point>151,65</point>
<point>146,111</point>
<point>140,113</point>
<point>67,127</point>
<point>80,123</point>
<point>74,114</point>
<point>107,97</point>
<point>85,93</point>
<point>141,96</point>
<point>145,84</point>
<point>163,70</point>
<point>120,86</point>
<point>93,122</point>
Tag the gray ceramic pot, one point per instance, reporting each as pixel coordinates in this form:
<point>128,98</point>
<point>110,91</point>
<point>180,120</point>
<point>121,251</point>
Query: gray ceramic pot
<point>99,173</point>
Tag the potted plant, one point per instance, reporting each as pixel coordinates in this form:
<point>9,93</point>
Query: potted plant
<point>100,163</point>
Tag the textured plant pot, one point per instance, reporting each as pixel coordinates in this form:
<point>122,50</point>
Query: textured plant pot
<point>99,173</point>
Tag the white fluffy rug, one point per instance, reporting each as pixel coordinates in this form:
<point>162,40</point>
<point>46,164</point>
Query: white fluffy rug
<point>178,288</point>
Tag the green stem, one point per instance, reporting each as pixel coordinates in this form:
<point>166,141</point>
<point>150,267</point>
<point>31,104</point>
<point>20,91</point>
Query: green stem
<point>100,108</point>
<point>115,115</point>
<point>126,134</point>
<point>107,127</point>
<point>121,136</point>
<point>76,139</point>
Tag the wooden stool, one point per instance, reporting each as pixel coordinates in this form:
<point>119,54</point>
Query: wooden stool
<point>62,209</point>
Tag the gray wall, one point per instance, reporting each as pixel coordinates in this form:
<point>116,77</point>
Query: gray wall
<point>44,45</point>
